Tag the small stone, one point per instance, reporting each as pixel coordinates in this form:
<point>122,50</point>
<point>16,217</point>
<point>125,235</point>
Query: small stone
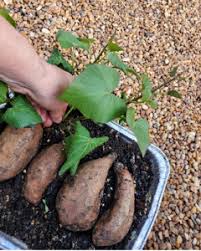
<point>194,241</point>
<point>167,61</point>
<point>188,245</point>
<point>46,31</point>
<point>126,59</point>
<point>179,241</point>
<point>191,136</point>
<point>39,8</point>
<point>145,107</point>
<point>8,1</point>
<point>32,34</point>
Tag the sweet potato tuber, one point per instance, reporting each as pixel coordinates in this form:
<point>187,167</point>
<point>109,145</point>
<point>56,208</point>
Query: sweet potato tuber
<point>17,147</point>
<point>78,202</point>
<point>115,223</point>
<point>42,171</point>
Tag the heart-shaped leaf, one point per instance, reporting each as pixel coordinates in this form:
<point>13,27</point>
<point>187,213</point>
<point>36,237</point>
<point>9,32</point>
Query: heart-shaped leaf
<point>77,146</point>
<point>5,13</point>
<point>91,94</point>
<point>21,114</point>
<point>3,92</point>
<point>56,58</point>
<point>68,40</point>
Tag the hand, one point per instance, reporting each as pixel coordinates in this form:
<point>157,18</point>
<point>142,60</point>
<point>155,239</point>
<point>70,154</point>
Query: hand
<point>43,93</point>
<point>25,72</point>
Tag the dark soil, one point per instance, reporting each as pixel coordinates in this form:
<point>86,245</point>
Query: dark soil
<point>38,226</point>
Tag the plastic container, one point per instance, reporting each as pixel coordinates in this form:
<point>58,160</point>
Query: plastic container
<point>161,171</point>
<point>160,168</point>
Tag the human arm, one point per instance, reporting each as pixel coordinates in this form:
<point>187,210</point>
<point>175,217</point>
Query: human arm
<point>25,72</point>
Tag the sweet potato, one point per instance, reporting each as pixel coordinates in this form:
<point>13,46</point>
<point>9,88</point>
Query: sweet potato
<point>17,148</point>
<point>115,223</point>
<point>78,202</point>
<point>42,171</point>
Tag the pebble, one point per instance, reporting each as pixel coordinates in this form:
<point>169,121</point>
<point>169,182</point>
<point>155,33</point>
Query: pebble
<point>179,241</point>
<point>8,1</point>
<point>46,31</point>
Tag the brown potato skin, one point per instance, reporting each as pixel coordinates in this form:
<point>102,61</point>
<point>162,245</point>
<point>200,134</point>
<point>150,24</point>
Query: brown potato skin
<point>42,171</point>
<point>78,202</point>
<point>115,223</point>
<point>17,148</point>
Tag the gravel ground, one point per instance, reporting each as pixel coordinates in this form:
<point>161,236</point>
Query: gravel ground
<point>156,35</point>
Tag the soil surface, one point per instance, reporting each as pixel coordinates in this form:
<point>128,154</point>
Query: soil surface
<point>38,226</point>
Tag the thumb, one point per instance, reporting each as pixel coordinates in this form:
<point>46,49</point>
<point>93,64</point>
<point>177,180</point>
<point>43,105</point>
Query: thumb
<point>57,115</point>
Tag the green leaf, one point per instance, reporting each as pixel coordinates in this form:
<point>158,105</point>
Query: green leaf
<point>175,94</point>
<point>173,71</point>
<point>146,87</point>
<point>133,71</point>
<point>87,41</point>
<point>118,63</point>
<point>141,130</point>
<point>147,94</point>
<point>77,146</point>
<point>124,96</point>
<point>68,40</point>
<point>152,103</point>
<point>130,116</point>
<point>91,94</point>
<point>56,58</point>
<point>3,92</point>
<point>122,120</point>
<point>5,13</point>
<point>21,114</point>
<point>112,47</point>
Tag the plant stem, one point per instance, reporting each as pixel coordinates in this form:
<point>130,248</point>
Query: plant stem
<point>164,84</point>
<point>68,113</point>
<point>104,48</point>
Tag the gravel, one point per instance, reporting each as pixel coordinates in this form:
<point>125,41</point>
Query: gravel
<point>156,35</point>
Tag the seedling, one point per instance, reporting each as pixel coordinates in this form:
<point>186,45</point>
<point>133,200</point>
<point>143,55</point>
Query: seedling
<point>92,93</point>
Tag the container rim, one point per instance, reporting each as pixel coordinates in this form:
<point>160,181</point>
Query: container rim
<point>164,172</point>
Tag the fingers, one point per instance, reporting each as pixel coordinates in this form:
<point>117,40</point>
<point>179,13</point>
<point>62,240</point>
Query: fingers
<point>45,97</point>
<point>57,115</point>
<point>54,115</point>
<point>47,121</point>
